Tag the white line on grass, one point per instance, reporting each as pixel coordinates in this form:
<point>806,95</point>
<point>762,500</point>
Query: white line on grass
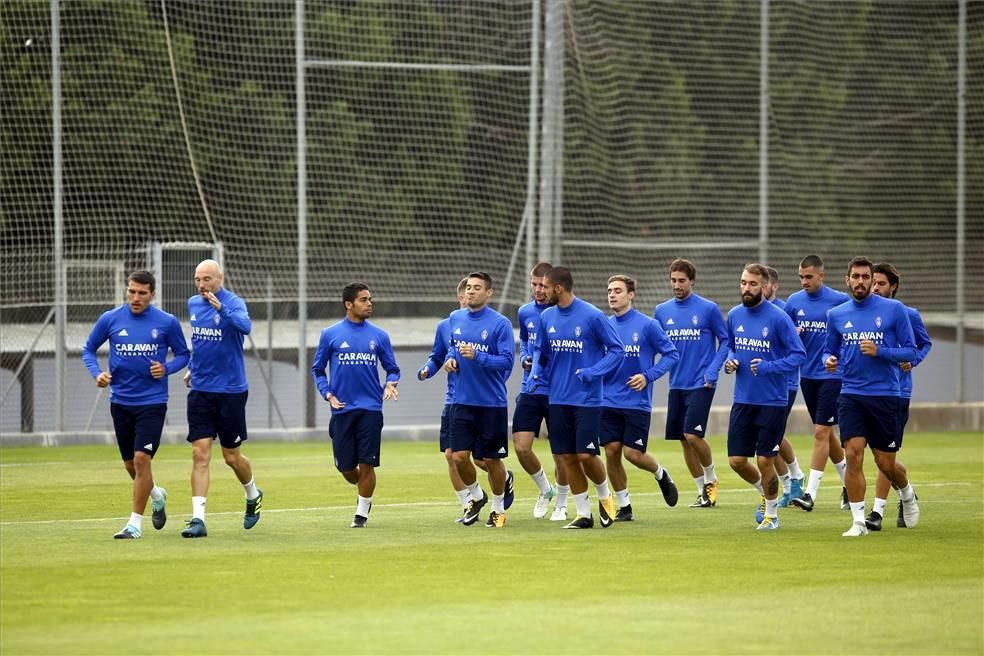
<point>413,504</point>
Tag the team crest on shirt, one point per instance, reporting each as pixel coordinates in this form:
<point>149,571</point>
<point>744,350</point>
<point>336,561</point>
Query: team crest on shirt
<point>765,331</point>
<point>154,333</point>
<point>485,335</point>
<point>577,331</point>
<point>216,319</point>
<point>635,337</point>
<point>878,322</point>
<point>372,345</point>
<point>694,320</point>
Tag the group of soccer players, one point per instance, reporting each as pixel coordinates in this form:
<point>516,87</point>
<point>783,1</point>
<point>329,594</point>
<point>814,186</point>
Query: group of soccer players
<point>586,376</point>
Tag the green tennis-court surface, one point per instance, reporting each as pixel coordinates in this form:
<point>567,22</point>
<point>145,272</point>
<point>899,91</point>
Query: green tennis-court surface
<point>676,580</point>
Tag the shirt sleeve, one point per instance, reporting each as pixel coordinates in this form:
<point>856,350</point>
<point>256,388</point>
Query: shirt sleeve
<point>505,354</point>
<point>832,344</point>
<point>906,350</point>
<point>615,349</point>
<point>321,359</point>
<point>792,345</point>
<point>439,352</point>
<point>98,337</point>
<point>541,351</point>
<point>235,313</point>
<point>720,331</point>
<point>921,335</point>
<point>668,353</point>
<point>179,348</point>
<point>388,359</point>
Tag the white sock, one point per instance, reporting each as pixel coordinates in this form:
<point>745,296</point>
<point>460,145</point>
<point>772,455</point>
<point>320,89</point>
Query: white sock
<point>498,503</point>
<point>363,507</point>
<point>251,491</point>
<point>659,472</point>
<point>841,468</point>
<point>857,511</point>
<point>758,486</point>
<point>772,507</point>
<point>476,491</point>
<point>709,475</point>
<point>562,492</point>
<point>542,483</point>
<point>583,504</point>
<point>813,485</point>
<point>622,497</point>
<point>602,490</point>
<point>787,483</point>
<point>135,520</point>
<point>794,469</point>
<point>464,496</point>
<point>879,506</point>
<point>198,508</point>
<point>156,493</point>
<point>700,484</point>
<point>907,493</point>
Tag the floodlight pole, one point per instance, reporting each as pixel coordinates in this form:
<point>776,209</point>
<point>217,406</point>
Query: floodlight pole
<point>56,147</point>
<point>303,367</point>
<point>763,246</point>
<point>961,191</point>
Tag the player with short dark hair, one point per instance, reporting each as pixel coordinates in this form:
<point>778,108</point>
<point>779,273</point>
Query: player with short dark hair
<point>697,330</point>
<point>576,347</point>
<point>627,403</point>
<point>869,336</point>
<point>353,350</point>
<point>217,400</point>
<point>482,352</point>
<point>886,284</point>
<point>139,337</point>
<point>764,349</point>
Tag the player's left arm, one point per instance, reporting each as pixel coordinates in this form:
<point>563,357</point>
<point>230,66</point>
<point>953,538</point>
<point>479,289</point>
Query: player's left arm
<point>179,348</point>
<point>388,359</point>
<point>669,356</point>
<point>505,355</point>
<point>790,343</point>
<point>615,349</point>
<point>923,343</point>
<point>235,313</point>
<point>720,330</point>
<point>906,350</point>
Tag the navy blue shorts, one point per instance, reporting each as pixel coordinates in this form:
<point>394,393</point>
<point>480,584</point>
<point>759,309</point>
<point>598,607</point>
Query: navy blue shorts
<point>630,427</point>
<point>530,413</point>
<point>790,403</point>
<point>903,414</point>
<point>138,428</point>
<point>755,429</point>
<point>687,412</point>
<point>878,419</point>
<point>355,438</point>
<point>482,430</point>
<point>574,429</point>
<point>217,414</point>
<point>821,397</point>
<point>445,439</point>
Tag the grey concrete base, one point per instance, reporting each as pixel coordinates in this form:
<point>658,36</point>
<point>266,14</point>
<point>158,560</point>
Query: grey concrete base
<point>923,417</point>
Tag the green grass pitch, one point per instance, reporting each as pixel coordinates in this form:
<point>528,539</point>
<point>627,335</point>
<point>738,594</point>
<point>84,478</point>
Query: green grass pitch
<point>675,581</point>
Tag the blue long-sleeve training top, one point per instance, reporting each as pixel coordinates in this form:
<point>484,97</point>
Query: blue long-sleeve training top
<point>438,355</point>
<point>923,345</point>
<point>136,341</point>
<point>809,314</point>
<point>482,380</point>
<point>580,346</point>
<point>644,340</point>
<point>217,363</point>
<point>883,321</point>
<point>352,352</point>
<point>529,319</point>
<point>697,330</point>
<point>763,332</point>
<point>792,379</point>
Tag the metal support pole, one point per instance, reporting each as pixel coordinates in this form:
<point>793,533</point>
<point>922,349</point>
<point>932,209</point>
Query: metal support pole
<point>553,68</point>
<point>59,254</point>
<point>531,157</point>
<point>763,245</point>
<point>269,349</point>
<point>303,367</point>
<point>961,191</point>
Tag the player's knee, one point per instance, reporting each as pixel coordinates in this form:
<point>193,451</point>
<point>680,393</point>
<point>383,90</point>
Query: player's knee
<point>141,461</point>
<point>201,454</point>
<point>351,475</point>
<point>634,456</point>
<point>448,456</point>
<point>584,457</point>
<point>231,458</point>
<point>481,464</point>
<point>522,447</point>
<point>613,451</point>
<point>460,457</point>
<point>737,462</point>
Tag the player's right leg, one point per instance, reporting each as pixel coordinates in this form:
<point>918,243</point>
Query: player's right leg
<point>563,444</point>
<point>124,424</point>
<point>465,428</point>
<point>444,441</point>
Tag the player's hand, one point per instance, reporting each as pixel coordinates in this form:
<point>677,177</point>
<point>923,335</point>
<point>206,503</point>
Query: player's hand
<point>334,402</point>
<point>754,366</point>
<point>390,393</point>
<point>799,330</point>
<point>187,379</point>
<point>451,366</point>
<point>708,384</point>
<point>905,366</point>
<point>422,374</point>
<point>528,363</point>
<point>103,379</point>
<point>831,364</point>
<point>467,351</point>
<point>868,347</point>
<point>730,366</point>
<point>638,382</point>
<point>213,300</point>
<point>157,370</point>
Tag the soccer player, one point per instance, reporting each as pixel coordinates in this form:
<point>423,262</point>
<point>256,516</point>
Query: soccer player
<point>787,466</point>
<point>482,353</point>
<point>139,337</point>
<point>352,350</point>
<point>821,388</point>
<point>627,401</point>
<point>870,336</point>
<point>217,401</point>
<point>765,349</point>
<point>533,407</point>
<point>697,330</point>
<point>579,346</point>
<point>439,352</point>
<point>886,285</point>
